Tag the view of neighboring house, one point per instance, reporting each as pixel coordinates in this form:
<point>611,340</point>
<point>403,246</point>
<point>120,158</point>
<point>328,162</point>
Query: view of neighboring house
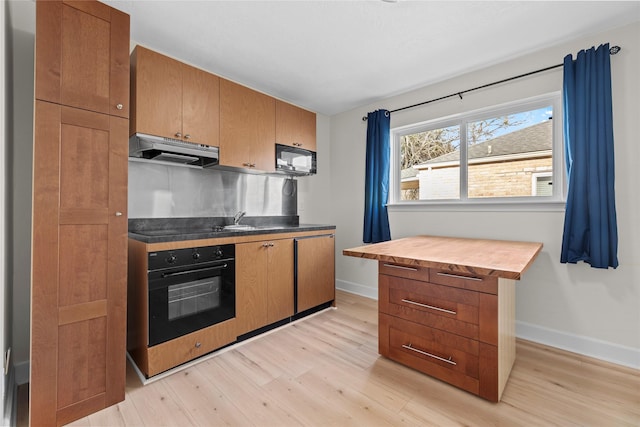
<point>516,164</point>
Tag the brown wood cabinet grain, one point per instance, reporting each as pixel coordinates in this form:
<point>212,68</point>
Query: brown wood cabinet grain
<point>79,235</point>
<point>247,128</point>
<point>295,126</point>
<point>82,56</point>
<point>264,283</point>
<point>79,247</point>
<point>172,99</point>
<point>447,330</point>
<point>315,271</point>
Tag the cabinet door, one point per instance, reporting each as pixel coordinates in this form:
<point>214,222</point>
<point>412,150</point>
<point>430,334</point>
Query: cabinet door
<point>200,106</point>
<point>156,94</point>
<point>78,312</point>
<point>251,286</point>
<point>316,266</point>
<point>82,55</point>
<point>295,126</point>
<point>280,282</point>
<point>247,128</point>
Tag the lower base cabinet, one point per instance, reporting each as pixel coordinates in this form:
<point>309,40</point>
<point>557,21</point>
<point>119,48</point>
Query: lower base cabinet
<point>172,353</point>
<point>315,271</point>
<point>264,283</point>
<point>264,295</point>
<point>457,328</point>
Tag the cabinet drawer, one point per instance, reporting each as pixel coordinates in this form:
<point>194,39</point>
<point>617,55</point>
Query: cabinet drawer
<point>399,270</point>
<point>445,356</point>
<point>442,307</point>
<point>188,347</point>
<point>469,281</point>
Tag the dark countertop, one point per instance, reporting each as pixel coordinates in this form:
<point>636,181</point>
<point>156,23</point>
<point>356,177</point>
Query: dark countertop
<point>178,229</point>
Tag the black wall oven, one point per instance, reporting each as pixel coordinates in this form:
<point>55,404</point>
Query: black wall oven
<point>190,289</point>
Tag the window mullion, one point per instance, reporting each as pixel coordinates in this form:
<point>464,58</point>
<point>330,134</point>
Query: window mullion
<point>464,170</point>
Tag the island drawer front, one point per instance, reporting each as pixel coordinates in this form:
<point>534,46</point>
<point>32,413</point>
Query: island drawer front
<point>448,357</point>
<point>486,284</point>
<point>400,270</point>
<point>442,307</point>
<point>188,347</point>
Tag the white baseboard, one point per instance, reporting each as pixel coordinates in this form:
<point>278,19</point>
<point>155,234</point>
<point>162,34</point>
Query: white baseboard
<point>22,372</point>
<point>591,347</point>
<point>358,289</point>
<point>586,346</point>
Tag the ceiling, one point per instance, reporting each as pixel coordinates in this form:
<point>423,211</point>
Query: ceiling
<point>333,56</point>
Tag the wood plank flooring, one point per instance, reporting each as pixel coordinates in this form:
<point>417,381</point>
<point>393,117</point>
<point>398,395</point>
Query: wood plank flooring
<point>326,371</point>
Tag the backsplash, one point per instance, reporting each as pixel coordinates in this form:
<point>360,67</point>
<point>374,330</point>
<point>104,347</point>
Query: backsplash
<point>167,191</point>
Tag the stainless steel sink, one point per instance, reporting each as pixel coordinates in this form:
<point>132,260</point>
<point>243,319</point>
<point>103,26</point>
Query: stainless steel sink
<point>238,227</point>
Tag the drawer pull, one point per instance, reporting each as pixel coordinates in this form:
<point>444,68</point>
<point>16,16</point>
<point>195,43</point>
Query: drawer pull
<point>401,267</point>
<point>408,301</point>
<point>442,359</point>
<point>456,276</point>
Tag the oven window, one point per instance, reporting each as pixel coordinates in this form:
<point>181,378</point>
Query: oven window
<point>187,299</point>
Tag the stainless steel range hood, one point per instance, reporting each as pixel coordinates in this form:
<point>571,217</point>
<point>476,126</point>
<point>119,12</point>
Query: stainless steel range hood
<point>168,150</point>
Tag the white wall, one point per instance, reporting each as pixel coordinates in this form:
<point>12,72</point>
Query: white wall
<point>5,312</point>
<point>22,19</point>
<point>591,311</point>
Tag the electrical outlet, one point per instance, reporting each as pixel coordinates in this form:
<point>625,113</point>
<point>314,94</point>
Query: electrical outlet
<point>7,357</point>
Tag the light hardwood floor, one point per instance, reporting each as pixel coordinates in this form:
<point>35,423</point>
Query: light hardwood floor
<point>326,371</point>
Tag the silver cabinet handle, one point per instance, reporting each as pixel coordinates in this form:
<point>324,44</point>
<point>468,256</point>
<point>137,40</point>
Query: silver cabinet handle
<point>401,267</point>
<point>457,276</point>
<point>119,106</point>
<point>265,245</point>
<point>442,359</point>
<point>408,301</point>
<point>198,344</point>
<point>187,136</point>
<point>178,135</point>
<point>118,213</point>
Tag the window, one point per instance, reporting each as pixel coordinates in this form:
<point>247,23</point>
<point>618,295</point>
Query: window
<point>510,153</point>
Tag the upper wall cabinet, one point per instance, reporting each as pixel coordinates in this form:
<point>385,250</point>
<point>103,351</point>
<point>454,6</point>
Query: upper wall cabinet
<point>172,99</point>
<point>295,127</point>
<point>82,56</point>
<point>247,128</point>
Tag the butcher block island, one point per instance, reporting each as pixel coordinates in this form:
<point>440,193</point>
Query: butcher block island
<point>447,306</point>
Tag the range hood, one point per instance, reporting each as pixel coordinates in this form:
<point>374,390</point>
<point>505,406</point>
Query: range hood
<point>168,150</point>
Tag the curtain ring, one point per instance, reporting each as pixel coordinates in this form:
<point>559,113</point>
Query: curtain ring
<point>386,113</point>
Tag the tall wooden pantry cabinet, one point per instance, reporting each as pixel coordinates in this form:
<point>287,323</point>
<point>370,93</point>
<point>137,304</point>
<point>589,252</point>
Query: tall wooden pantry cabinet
<point>79,231</point>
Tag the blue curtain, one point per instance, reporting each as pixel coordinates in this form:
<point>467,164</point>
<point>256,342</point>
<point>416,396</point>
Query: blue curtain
<point>590,229</point>
<point>376,220</point>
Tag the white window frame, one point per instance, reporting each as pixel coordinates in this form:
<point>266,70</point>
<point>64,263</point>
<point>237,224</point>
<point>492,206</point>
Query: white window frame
<point>555,202</point>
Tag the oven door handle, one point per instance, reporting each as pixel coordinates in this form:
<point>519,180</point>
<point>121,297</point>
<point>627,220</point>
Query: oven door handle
<point>197,270</point>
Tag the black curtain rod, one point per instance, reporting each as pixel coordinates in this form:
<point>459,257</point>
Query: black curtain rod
<point>613,50</point>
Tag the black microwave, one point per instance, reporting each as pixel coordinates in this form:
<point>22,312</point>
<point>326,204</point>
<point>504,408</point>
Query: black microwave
<point>295,160</point>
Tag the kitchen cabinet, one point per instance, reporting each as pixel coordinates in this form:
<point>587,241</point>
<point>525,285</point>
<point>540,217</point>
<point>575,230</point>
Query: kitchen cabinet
<point>78,299</point>
<point>172,99</point>
<point>264,283</point>
<point>247,128</point>
<point>79,227</point>
<point>295,126</point>
<point>315,271</point>
<point>447,307</point>
<point>82,56</point>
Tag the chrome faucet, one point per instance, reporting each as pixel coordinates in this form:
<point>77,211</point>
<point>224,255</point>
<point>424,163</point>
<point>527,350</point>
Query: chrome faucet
<point>237,217</point>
